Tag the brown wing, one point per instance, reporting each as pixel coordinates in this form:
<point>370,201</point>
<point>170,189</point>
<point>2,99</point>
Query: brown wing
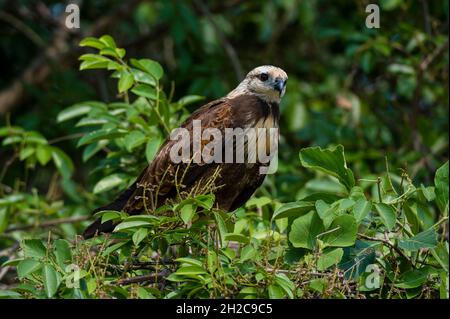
<point>157,181</point>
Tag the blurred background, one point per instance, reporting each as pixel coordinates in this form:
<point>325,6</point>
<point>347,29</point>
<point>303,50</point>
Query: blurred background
<point>379,92</point>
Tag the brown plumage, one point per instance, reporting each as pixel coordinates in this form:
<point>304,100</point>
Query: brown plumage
<point>254,103</point>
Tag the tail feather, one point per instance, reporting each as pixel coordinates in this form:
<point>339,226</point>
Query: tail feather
<point>97,227</point>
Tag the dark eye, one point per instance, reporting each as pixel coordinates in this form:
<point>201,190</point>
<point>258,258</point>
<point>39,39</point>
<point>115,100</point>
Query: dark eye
<point>263,77</point>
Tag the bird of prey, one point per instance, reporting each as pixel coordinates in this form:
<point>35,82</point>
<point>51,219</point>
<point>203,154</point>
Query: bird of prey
<point>254,103</point>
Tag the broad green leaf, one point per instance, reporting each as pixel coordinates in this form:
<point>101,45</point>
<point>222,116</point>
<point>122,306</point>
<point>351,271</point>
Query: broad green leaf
<point>34,248</point>
<point>413,278</point>
<point>125,82</point>
<point>108,41</point>
<point>342,232</point>
<point>100,135</point>
<point>425,239</point>
<point>189,99</point>
<point>293,209</point>
<point>62,162</point>
<point>329,161</point>
<point>247,253</point>
<point>4,218</point>
<point>26,152</point>
<point>237,237</point>
<point>43,154</point>
<point>276,292</point>
<point>28,266</point>
<point>109,182</point>
<point>92,42</point>
<point>387,214</point>
<point>441,183</point>
<point>187,212</point>
<point>327,212</point>
<point>285,283</point>
<point>131,224</point>
<point>305,229</point>
<point>50,279</point>
<point>149,66</point>
<point>191,270</point>
<point>109,215</point>
<point>361,208</point>
<point>189,261</point>
<point>440,253</point>
<point>329,258</point>
<point>145,91</point>
<point>73,111</point>
<point>139,236</point>
<point>152,147</point>
<point>62,252</point>
<point>93,149</point>
<point>134,139</point>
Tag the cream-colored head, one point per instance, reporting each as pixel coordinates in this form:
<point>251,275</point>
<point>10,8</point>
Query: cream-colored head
<point>267,82</point>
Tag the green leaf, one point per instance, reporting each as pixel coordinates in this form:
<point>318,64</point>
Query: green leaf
<point>276,292</point>
<point>152,147</point>
<point>285,283</point>
<point>101,135</point>
<point>191,270</point>
<point>92,42</point>
<point>108,41</point>
<point>247,253</point>
<point>50,279</point>
<point>43,154</point>
<point>329,161</point>
<point>413,278</point>
<point>62,162</point>
<point>387,215</point>
<point>139,236</point>
<point>26,152</point>
<point>108,215</point>
<point>345,228</point>
<point>149,66</point>
<point>126,80</point>
<point>293,209</point>
<point>4,218</point>
<point>93,149</point>
<point>63,253</point>
<point>330,258</point>
<point>305,229</point>
<point>442,184</point>
<point>145,91</point>
<point>361,208</point>
<point>109,182</point>
<point>425,239</point>
<point>440,253</point>
<point>190,99</point>
<point>327,212</point>
<point>73,111</point>
<point>187,213</point>
<point>131,224</point>
<point>134,139</point>
<point>237,237</point>
<point>34,248</point>
<point>28,266</point>
<point>189,261</point>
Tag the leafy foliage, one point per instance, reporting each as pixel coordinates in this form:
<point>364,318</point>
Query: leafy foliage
<point>367,222</point>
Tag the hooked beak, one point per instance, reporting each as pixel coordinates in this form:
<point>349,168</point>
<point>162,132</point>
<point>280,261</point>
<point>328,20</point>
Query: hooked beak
<point>279,85</point>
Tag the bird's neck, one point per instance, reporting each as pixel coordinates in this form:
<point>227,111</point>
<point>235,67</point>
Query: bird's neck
<point>242,89</point>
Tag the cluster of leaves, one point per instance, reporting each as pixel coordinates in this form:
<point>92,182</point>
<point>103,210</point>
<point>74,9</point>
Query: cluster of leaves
<point>377,236</point>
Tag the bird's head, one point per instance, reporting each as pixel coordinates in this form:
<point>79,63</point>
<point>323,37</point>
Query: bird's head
<point>267,81</point>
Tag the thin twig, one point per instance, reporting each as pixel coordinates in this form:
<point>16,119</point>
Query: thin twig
<point>156,277</point>
<point>50,223</point>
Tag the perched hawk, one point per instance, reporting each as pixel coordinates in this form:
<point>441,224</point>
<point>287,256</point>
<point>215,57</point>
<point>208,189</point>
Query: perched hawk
<point>253,104</point>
